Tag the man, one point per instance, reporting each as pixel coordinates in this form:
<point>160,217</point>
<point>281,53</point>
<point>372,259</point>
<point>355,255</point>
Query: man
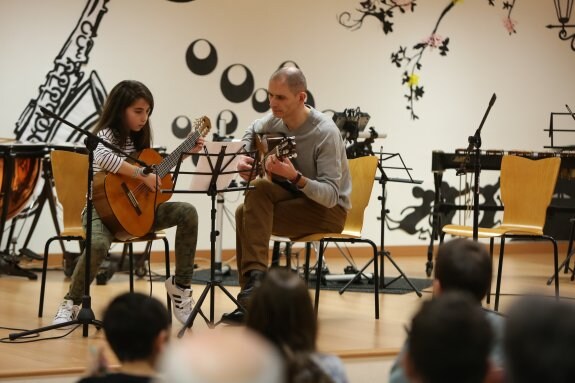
<point>540,340</point>
<point>318,196</point>
<point>449,341</point>
<point>462,265</point>
<point>137,328</point>
<point>222,355</point>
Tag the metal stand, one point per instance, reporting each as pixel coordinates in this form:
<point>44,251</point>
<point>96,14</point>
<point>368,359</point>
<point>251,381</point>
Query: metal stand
<point>86,316</point>
<point>382,252</point>
<point>216,170</point>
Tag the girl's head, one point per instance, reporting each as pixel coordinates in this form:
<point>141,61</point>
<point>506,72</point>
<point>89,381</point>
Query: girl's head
<point>281,310</point>
<point>126,112</point>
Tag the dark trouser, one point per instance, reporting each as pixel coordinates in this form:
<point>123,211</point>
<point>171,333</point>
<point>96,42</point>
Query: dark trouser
<point>270,209</point>
<point>180,214</point>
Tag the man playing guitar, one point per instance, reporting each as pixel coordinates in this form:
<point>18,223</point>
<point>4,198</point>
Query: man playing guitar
<point>319,172</point>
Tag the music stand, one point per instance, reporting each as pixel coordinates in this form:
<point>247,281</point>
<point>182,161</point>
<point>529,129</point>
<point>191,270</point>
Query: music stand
<point>86,315</point>
<point>217,174</point>
<point>383,179</point>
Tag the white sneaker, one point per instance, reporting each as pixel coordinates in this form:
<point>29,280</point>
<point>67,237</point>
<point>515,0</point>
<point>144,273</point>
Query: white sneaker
<point>181,300</point>
<point>67,312</point>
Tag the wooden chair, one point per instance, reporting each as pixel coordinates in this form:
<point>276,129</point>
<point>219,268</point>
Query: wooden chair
<point>70,172</point>
<point>362,176</point>
<point>526,190</point>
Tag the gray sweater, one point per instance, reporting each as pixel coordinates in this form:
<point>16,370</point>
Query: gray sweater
<point>321,156</point>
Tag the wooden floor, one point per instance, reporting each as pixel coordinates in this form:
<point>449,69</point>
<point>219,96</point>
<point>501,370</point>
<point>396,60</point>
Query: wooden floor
<point>347,324</point>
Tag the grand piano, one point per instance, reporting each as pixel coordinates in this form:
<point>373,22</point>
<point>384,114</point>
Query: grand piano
<point>561,209</point>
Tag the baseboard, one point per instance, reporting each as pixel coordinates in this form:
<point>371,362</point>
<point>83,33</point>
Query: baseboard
<point>364,252</point>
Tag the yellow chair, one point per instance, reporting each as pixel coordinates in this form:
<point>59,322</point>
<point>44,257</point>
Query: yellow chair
<point>70,172</point>
<point>526,190</point>
<point>362,177</point>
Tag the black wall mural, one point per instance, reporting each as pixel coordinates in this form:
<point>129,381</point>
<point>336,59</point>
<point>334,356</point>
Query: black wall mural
<point>63,91</point>
<point>411,59</point>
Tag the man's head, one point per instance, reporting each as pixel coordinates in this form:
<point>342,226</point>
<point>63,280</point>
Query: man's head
<point>136,327</point>
<point>462,265</point>
<point>539,340</point>
<point>449,341</point>
<point>287,92</point>
<point>222,355</point>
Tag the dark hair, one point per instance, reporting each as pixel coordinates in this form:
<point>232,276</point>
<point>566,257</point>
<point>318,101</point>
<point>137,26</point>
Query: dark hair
<point>463,264</point>
<point>539,340</point>
<point>450,339</point>
<point>124,94</point>
<point>281,310</point>
<point>293,77</point>
<point>132,321</point>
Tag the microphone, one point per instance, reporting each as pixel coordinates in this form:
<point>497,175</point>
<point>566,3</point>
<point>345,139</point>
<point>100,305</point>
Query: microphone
<point>148,169</point>
<point>492,101</point>
<point>367,134</point>
<point>47,112</point>
<point>570,112</point>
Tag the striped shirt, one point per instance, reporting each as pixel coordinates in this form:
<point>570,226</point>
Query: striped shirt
<point>105,158</point>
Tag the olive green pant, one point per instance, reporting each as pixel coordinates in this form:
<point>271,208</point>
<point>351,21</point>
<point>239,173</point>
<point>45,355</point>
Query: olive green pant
<point>169,214</point>
<point>269,209</point>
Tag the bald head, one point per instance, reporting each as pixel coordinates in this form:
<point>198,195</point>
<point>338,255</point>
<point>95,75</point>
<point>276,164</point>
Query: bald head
<point>222,355</point>
<point>293,77</point>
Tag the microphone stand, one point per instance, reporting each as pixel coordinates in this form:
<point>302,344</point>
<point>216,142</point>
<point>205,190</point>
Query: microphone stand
<point>475,144</point>
<point>86,315</point>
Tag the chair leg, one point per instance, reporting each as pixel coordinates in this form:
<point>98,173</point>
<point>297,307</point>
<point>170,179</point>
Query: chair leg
<point>318,276</point>
<point>44,271</point>
<point>555,265</point>
<point>131,261</point>
<point>499,269</point>
<point>167,258</point>
<point>307,262</point>
<point>488,298</point>
<point>567,261</point>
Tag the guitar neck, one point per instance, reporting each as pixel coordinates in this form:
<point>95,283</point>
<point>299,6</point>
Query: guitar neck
<point>172,159</point>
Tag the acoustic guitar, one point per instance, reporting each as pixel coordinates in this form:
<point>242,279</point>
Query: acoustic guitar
<point>280,146</point>
<point>125,204</point>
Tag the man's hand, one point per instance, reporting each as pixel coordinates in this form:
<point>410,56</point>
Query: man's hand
<point>245,165</point>
<point>282,167</point>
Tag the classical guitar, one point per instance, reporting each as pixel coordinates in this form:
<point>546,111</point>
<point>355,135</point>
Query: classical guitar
<point>280,146</point>
<point>125,205</point>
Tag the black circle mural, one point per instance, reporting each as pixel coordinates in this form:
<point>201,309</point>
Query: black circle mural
<point>181,126</point>
<point>201,66</point>
<point>228,119</point>
<point>260,106</point>
<point>237,93</point>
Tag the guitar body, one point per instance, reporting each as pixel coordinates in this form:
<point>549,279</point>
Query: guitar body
<point>125,205</point>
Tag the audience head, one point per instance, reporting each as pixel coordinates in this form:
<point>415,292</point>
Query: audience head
<point>222,355</point>
<point>539,341</point>
<point>281,310</point>
<point>463,265</point>
<point>449,341</point>
<point>136,326</point>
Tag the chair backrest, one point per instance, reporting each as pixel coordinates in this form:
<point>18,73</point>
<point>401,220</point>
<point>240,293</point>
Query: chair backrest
<point>526,190</point>
<point>362,172</point>
<point>70,172</point>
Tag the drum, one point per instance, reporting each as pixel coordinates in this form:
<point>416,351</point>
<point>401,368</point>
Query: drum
<point>20,165</point>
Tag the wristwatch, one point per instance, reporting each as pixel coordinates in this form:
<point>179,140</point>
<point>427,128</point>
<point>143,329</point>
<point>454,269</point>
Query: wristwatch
<point>296,179</point>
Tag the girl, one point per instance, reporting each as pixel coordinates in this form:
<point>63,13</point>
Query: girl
<point>125,123</point>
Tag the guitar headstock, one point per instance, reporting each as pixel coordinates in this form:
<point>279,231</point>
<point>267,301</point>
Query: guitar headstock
<point>202,125</point>
<point>285,148</point>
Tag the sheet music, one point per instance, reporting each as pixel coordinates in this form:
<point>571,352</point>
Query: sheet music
<point>201,182</point>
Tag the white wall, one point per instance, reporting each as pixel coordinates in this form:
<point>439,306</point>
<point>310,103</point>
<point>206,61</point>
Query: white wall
<point>530,71</point>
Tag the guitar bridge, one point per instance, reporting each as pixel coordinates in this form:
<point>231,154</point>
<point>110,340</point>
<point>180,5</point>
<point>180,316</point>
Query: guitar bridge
<point>132,198</point>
